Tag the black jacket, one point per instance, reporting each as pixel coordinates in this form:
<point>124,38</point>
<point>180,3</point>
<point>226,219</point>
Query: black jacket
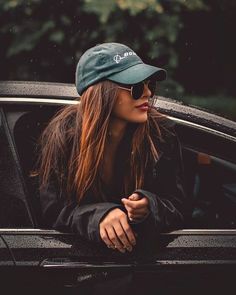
<point>164,188</point>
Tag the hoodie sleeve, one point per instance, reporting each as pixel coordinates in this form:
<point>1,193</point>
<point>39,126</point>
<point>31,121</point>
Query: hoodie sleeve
<point>68,216</point>
<point>169,205</point>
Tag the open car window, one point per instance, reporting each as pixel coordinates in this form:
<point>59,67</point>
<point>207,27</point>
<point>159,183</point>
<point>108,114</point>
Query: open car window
<point>14,208</point>
<point>212,188</point>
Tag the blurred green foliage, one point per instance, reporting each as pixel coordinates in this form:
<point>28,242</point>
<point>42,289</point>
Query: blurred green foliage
<point>43,39</point>
<point>134,7</point>
<point>31,27</point>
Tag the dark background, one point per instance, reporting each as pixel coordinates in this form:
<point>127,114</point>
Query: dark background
<point>42,40</point>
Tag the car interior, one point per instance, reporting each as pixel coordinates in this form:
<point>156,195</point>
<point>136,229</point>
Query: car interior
<point>209,163</point>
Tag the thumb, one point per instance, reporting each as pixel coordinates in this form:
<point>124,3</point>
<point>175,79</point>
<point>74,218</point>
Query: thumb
<point>126,202</point>
<point>134,197</point>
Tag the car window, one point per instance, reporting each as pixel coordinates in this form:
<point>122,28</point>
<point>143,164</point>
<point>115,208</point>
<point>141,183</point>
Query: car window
<point>26,123</point>
<point>14,210</point>
<point>210,175</point>
<point>212,188</point>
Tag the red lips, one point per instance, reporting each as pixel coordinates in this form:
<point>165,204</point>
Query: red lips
<point>143,105</point>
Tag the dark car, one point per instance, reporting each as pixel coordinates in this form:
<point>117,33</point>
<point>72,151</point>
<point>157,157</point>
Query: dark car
<point>198,259</point>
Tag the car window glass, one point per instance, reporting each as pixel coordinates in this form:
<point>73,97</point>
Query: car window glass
<point>13,208</point>
<point>211,185</point>
<point>210,176</point>
<point>26,123</point>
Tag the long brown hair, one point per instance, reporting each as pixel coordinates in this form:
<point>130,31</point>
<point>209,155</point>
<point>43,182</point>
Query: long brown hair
<point>72,145</point>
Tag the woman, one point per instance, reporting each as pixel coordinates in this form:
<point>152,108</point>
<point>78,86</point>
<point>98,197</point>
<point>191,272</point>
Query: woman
<point>110,167</point>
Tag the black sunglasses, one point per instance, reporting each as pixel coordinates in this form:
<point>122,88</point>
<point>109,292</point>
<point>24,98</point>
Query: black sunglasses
<point>137,89</point>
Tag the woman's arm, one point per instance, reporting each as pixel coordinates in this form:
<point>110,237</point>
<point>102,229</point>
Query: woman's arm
<point>64,215</point>
<point>96,222</point>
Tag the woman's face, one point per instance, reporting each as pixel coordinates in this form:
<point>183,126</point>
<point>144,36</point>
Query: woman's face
<point>128,109</point>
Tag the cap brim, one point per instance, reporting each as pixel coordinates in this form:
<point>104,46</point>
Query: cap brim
<point>138,73</point>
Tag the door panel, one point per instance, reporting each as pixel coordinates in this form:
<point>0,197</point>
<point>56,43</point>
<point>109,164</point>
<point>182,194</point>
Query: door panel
<point>186,259</point>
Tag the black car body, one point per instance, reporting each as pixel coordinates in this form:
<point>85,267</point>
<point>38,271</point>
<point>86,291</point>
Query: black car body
<point>199,258</point>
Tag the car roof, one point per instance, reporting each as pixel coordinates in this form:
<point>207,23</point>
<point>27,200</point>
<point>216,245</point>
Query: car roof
<point>67,92</point>
<point>38,89</point>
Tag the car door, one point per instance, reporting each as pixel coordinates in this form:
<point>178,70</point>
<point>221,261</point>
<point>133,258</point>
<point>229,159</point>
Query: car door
<point>204,251</point>
<point>24,246</point>
<point>189,260</point>
<point>44,260</point>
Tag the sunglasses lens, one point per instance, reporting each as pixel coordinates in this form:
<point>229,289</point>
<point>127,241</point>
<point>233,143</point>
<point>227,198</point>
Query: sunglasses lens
<point>137,90</point>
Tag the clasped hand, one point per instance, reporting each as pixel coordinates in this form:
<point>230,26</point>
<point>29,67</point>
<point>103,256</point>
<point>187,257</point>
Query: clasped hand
<point>115,229</point>
<point>136,207</point>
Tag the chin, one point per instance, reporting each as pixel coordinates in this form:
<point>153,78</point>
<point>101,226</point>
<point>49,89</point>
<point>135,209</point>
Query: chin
<point>142,119</point>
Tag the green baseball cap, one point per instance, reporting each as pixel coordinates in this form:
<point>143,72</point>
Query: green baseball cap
<point>115,62</point>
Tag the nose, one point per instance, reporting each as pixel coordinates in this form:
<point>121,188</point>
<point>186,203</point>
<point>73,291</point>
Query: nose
<point>146,91</point>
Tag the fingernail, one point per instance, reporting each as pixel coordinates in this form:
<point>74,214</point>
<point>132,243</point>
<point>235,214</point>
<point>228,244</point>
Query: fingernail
<point>122,250</point>
<point>129,249</point>
<point>133,242</point>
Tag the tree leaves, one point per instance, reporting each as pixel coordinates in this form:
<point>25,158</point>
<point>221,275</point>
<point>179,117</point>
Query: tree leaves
<point>29,36</point>
<point>57,32</point>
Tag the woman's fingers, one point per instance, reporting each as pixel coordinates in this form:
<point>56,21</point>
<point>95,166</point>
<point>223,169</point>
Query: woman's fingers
<point>128,231</point>
<point>133,217</point>
<point>109,237</point>
<point>139,212</point>
<point>115,239</point>
<point>116,232</point>
<point>134,197</point>
<point>121,234</point>
<point>105,238</point>
<point>135,204</point>
<point>136,209</point>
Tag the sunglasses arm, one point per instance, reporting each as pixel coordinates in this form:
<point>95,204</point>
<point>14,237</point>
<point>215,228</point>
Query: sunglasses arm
<point>129,89</point>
